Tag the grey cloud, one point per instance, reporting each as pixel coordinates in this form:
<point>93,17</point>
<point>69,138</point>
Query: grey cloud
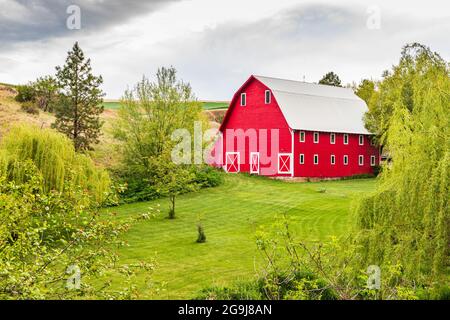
<point>30,20</point>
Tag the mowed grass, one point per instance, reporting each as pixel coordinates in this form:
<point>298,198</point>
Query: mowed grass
<point>207,105</point>
<point>230,215</point>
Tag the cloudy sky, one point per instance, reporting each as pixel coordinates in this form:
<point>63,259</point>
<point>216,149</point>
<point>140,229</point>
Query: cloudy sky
<point>216,45</point>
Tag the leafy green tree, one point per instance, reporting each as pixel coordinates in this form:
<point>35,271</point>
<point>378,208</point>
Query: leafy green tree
<point>331,79</point>
<point>365,90</point>
<point>148,116</point>
<point>52,232</point>
<point>397,87</point>
<point>406,222</point>
<point>80,105</point>
<point>25,93</point>
<point>47,93</point>
<point>171,180</point>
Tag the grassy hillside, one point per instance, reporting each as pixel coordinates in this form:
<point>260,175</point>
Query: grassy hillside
<point>231,214</point>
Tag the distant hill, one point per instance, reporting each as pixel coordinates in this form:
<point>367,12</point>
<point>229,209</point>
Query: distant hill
<point>207,105</point>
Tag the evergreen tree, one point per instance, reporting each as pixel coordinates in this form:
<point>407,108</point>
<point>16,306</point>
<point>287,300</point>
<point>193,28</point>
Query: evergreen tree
<point>77,114</point>
<point>331,79</point>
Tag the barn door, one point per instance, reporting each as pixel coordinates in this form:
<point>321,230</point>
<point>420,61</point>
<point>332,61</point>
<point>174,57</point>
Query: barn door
<point>254,162</point>
<point>232,162</point>
<point>284,163</point>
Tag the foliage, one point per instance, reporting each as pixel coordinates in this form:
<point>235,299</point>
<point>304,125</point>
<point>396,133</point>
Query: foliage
<point>201,237</point>
<point>25,93</point>
<point>44,235</point>
<point>331,79</point>
<point>396,90</point>
<point>80,102</point>
<point>406,222</point>
<point>29,107</point>
<point>55,159</point>
<point>47,93</point>
<point>149,114</point>
<point>365,90</point>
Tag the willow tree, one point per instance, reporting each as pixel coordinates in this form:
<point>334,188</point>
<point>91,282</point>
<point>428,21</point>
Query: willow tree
<point>80,104</point>
<point>55,159</point>
<point>406,222</point>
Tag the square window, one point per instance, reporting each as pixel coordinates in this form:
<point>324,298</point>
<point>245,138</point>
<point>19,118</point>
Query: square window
<point>361,140</point>
<point>302,136</point>
<point>316,137</point>
<point>372,161</point>
<point>302,158</point>
<point>333,159</point>
<point>332,138</point>
<point>361,160</point>
<point>346,160</point>
<point>345,138</point>
<point>316,159</point>
<point>267,97</point>
<point>243,99</point>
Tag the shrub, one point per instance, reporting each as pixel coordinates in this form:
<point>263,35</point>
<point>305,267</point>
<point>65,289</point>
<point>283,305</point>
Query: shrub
<point>30,107</point>
<point>201,238</point>
<point>206,176</point>
<point>25,93</point>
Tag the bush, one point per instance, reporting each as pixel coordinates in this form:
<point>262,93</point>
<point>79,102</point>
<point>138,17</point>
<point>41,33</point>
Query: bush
<point>25,93</point>
<point>206,176</point>
<point>30,107</point>
<point>201,238</point>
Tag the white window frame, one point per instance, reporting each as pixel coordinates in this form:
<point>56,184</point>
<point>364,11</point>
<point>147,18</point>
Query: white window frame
<point>238,160</point>
<point>373,161</point>
<point>251,166</point>
<point>345,137</point>
<point>361,140</point>
<point>300,136</point>
<point>244,95</point>
<point>301,158</point>
<point>360,160</point>
<point>333,159</point>
<point>345,160</point>
<point>265,97</point>
<point>314,159</point>
<point>314,137</point>
<point>334,138</point>
<point>290,163</point>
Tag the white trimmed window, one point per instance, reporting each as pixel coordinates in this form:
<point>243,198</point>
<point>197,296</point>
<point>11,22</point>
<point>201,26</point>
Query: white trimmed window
<point>332,138</point>
<point>372,161</point>
<point>243,99</point>
<point>361,160</point>
<point>345,138</point>
<point>361,140</point>
<point>302,158</point>
<point>345,160</point>
<point>333,159</point>
<point>302,136</point>
<point>316,137</point>
<point>316,159</point>
<point>267,97</point>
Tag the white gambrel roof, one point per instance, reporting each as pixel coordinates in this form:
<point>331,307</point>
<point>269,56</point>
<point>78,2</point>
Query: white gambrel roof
<point>316,107</point>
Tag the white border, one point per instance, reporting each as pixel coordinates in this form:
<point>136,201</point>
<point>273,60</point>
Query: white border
<point>343,138</point>
<point>359,140</point>
<point>238,159</point>
<point>343,159</point>
<point>290,163</point>
<point>314,137</point>
<point>270,97</point>
<point>374,162</point>
<point>245,95</point>
<point>332,156</point>
<point>359,162</point>
<point>334,136</point>
<point>314,159</point>
<point>300,136</point>
<point>251,159</point>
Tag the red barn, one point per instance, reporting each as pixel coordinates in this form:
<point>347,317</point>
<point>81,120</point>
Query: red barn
<point>277,127</point>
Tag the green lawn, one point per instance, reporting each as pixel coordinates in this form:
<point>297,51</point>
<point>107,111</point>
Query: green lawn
<point>230,214</point>
<point>207,105</point>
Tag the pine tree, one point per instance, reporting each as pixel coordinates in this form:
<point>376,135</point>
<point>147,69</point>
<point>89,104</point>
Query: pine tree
<point>77,114</point>
<point>331,79</point>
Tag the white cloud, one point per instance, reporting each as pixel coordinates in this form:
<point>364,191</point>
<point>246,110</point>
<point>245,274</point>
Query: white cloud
<point>216,45</point>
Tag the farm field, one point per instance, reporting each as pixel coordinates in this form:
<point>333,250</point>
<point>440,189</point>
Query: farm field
<point>207,105</point>
<point>231,214</point>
